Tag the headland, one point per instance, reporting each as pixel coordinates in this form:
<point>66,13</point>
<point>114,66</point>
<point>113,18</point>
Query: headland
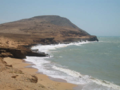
<point>16,39</point>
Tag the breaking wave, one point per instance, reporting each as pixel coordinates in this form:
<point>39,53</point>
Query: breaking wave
<point>58,71</point>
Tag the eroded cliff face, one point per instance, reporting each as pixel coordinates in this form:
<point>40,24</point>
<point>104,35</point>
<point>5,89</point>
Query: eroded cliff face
<point>19,53</point>
<point>17,37</point>
<point>16,48</point>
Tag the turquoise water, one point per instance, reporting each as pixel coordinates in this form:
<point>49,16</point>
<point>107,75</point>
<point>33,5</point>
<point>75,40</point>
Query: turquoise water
<point>98,59</point>
<point>92,65</point>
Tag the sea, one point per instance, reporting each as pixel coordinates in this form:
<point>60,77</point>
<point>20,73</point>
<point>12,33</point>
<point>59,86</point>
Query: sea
<point>91,65</point>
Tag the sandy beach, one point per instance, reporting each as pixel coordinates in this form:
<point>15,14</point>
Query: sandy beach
<point>16,39</point>
<point>18,76</point>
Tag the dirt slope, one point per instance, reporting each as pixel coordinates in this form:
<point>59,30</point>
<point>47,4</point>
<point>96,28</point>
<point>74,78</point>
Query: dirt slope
<point>50,26</point>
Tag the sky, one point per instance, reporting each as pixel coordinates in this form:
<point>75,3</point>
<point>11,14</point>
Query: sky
<point>97,17</point>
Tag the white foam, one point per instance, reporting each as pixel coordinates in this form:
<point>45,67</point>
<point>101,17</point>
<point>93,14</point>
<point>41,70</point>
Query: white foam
<point>85,79</point>
<point>71,76</point>
<point>47,48</point>
<point>69,72</point>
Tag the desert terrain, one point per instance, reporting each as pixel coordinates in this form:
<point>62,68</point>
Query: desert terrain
<point>17,37</point>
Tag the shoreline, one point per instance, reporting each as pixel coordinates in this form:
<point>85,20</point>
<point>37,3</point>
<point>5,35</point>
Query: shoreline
<point>79,87</point>
<point>46,81</point>
<point>51,78</point>
<point>57,84</point>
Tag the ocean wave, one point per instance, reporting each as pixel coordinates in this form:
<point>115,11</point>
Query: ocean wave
<point>86,79</point>
<point>48,48</point>
<point>57,71</point>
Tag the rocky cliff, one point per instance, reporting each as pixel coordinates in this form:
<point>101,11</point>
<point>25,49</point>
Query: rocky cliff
<point>50,26</point>
<point>17,37</point>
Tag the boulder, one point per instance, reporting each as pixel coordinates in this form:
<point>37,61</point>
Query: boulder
<point>39,54</point>
<point>11,52</point>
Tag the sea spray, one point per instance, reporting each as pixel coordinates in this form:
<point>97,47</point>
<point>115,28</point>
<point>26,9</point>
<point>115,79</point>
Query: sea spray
<point>47,48</point>
<point>53,70</point>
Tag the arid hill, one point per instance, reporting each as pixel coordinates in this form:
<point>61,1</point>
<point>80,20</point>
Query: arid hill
<point>44,29</point>
<point>17,37</point>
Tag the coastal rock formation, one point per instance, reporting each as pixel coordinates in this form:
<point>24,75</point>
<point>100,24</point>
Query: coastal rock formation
<point>17,37</point>
<point>19,53</point>
<point>49,29</point>
<point>10,52</point>
<point>32,53</point>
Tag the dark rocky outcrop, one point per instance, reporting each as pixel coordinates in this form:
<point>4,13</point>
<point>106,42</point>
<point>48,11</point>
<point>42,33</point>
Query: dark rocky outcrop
<point>19,53</point>
<point>11,52</point>
<point>93,38</point>
<point>39,54</point>
<point>35,53</point>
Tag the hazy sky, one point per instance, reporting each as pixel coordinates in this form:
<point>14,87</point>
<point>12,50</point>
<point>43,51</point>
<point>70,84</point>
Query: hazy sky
<point>97,17</point>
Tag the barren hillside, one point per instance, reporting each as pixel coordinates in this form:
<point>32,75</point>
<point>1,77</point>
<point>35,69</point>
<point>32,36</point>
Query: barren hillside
<point>58,28</point>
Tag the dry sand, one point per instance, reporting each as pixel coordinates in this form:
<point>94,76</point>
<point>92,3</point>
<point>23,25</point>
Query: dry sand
<point>19,77</point>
